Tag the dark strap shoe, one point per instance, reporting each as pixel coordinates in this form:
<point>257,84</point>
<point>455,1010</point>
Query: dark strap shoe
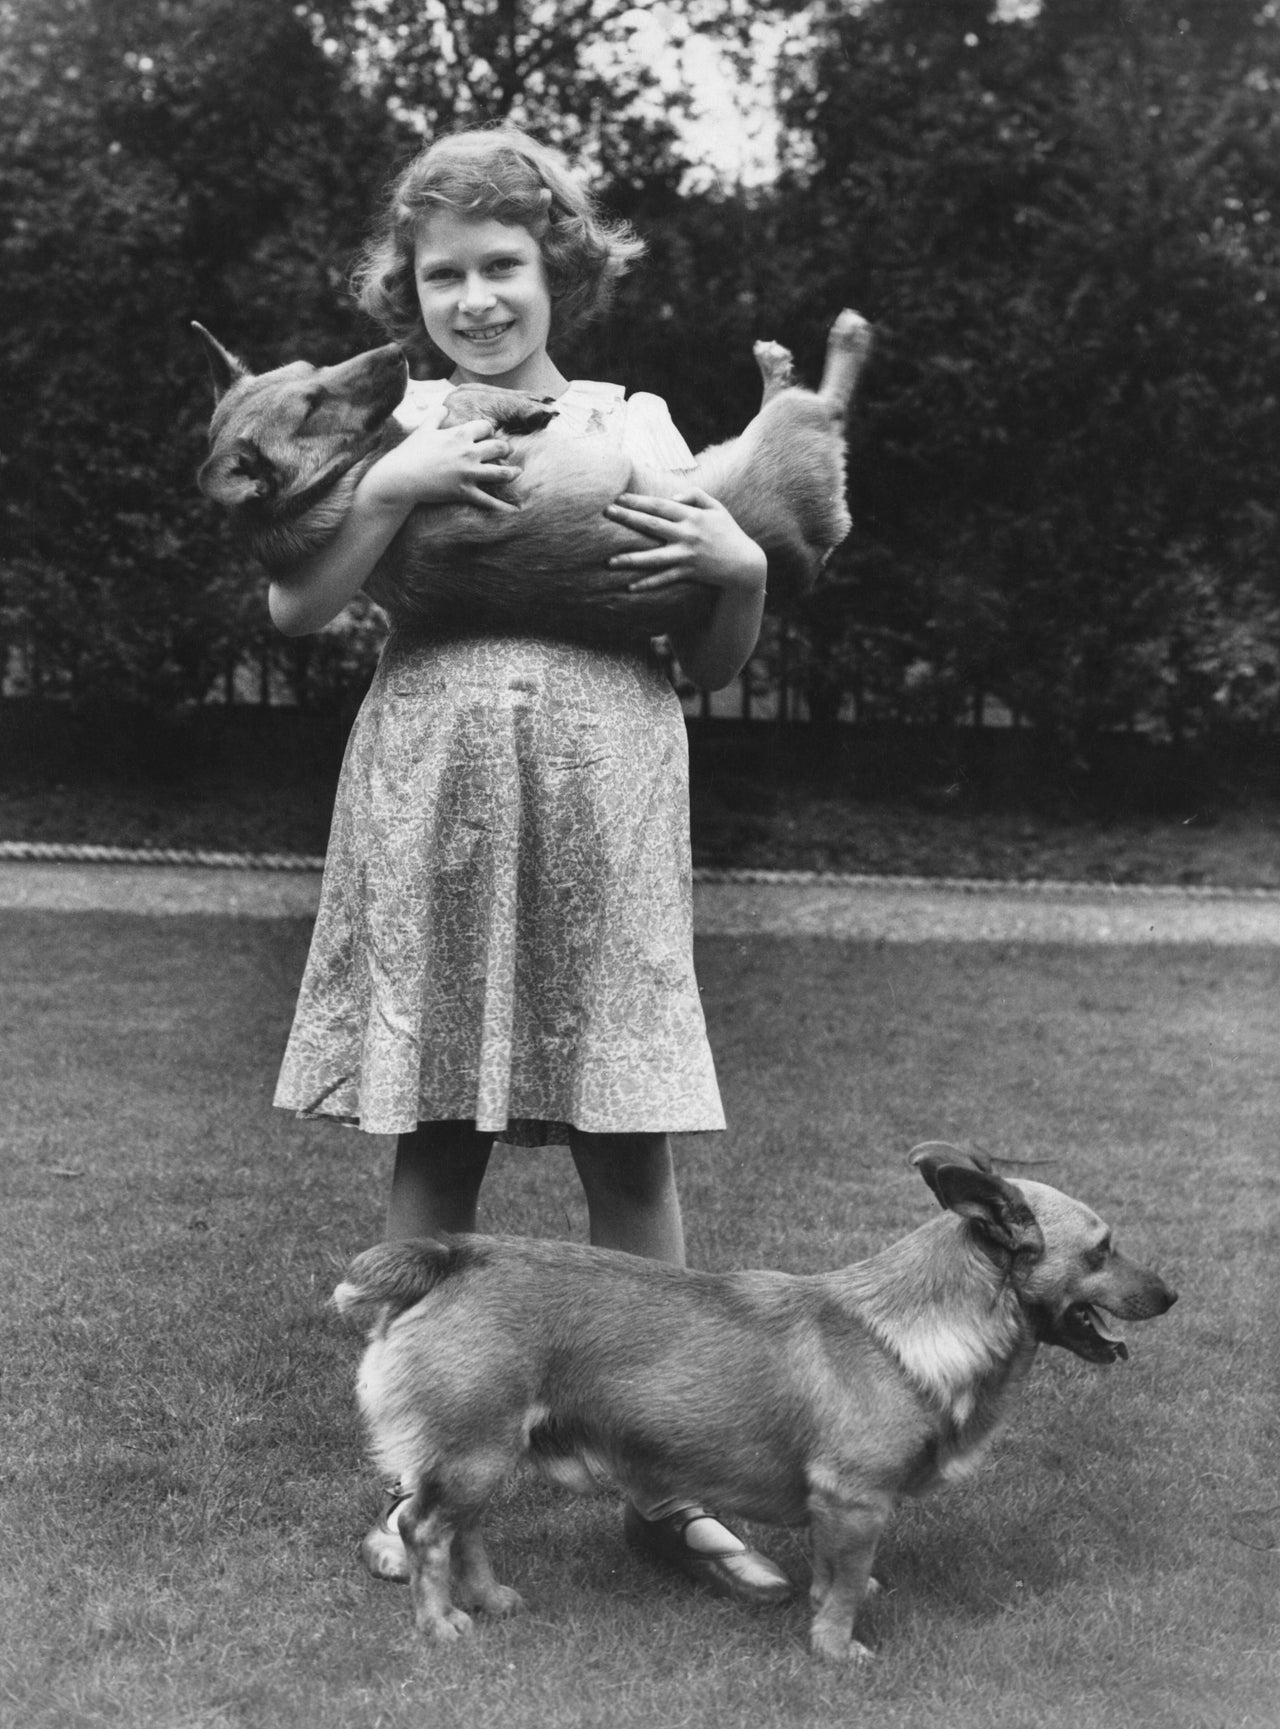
<point>729,1568</point>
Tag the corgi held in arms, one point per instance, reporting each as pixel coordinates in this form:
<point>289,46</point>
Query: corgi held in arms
<point>288,447</point>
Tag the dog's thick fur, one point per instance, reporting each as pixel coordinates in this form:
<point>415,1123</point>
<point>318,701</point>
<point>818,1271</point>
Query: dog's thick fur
<point>791,1400</point>
<point>288,447</point>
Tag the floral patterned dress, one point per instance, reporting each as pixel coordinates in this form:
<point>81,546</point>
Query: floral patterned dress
<point>505,929</point>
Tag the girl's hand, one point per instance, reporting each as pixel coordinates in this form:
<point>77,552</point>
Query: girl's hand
<point>442,465</point>
<point>433,465</point>
<point>697,540</point>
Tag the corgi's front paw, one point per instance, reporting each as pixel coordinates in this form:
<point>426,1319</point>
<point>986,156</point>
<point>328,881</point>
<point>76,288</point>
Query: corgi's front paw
<point>838,1645</point>
<point>499,1600</point>
<point>445,1625</point>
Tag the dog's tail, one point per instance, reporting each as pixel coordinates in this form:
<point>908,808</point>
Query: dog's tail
<point>391,1277</point>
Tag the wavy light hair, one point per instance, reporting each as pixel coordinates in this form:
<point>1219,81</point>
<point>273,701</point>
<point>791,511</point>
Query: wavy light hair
<point>500,174</point>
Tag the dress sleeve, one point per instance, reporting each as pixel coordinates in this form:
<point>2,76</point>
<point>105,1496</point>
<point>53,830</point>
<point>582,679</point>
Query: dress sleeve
<point>651,436</point>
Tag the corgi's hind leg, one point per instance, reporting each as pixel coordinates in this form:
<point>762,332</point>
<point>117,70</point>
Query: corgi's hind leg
<point>777,369</point>
<point>477,1584</point>
<point>428,1528</point>
<point>848,345</point>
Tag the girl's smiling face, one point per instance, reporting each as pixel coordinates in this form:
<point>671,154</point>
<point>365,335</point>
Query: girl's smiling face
<point>482,289</point>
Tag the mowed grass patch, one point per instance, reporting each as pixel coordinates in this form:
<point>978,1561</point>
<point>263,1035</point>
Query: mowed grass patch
<point>182,1472</point>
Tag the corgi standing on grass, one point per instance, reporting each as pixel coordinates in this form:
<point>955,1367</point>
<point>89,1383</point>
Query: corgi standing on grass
<point>504,946</point>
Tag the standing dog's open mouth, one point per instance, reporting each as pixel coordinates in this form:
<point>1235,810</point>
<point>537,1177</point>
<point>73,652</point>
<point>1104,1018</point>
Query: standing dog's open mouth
<point>1085,1330</point>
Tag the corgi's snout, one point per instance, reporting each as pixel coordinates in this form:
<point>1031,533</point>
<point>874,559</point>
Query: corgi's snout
<point>1144,1300</point>
<point>1164,1298</point>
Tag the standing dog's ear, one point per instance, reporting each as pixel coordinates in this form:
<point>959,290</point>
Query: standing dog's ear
<point>224,369</point>
<point>999,1211</point>
<point>929,1157</point>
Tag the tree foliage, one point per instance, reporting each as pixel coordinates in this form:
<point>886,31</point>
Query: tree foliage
<point>1064,230</point>
<point>1063,226</point>
<point>563,68</point>
<point>156,168</point>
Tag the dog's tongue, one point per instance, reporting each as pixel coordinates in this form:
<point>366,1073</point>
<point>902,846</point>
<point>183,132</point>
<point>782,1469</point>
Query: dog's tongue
<point>1106,1331</point>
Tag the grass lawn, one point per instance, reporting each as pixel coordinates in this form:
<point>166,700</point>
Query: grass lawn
<point>180,1466</point>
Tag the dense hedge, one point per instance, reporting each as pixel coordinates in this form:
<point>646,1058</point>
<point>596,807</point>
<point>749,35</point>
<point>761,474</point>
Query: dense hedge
<point>1065,459</point>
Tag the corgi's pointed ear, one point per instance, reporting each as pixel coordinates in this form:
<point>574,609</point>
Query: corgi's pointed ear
<point>1001,1214</point>
<point>929,1157</point>
<point>224,369</point>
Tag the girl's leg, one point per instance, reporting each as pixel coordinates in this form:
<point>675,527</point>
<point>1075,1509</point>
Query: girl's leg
<point>633,1204</point>
<point>630,1185</point>
<point>435,1184</point>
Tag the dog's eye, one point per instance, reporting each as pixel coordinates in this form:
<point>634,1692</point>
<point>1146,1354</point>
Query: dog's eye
<point>315,401</point>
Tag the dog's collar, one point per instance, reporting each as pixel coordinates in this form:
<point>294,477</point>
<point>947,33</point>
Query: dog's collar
<point>281,511</point>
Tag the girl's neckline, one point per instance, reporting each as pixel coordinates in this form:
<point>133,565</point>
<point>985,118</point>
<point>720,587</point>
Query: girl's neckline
<point>579,386</point>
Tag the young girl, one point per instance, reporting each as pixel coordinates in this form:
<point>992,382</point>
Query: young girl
<point>504,943</point>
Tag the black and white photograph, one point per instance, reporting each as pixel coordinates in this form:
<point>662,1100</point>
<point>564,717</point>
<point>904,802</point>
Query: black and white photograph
<point>640,864</point>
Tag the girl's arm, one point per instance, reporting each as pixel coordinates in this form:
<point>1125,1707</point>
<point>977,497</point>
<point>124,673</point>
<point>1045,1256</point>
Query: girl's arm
<point>699,540</point>
<point>431,466</point>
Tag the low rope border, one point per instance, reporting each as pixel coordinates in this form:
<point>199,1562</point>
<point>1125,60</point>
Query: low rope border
<point>67,852</point>
<point>70,852</point>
